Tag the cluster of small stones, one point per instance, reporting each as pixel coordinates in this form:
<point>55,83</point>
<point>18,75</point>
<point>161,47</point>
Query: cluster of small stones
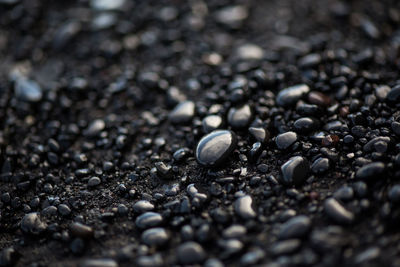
<point>133,134</point>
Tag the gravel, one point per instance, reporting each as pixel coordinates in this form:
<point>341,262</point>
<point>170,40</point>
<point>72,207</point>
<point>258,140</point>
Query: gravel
<point>210,133</point>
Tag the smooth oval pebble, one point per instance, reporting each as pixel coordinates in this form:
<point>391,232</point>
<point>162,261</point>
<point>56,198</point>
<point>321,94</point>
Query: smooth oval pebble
<point>260,134</point>
<point>305,125</point>
<point>243,207</point>
<point>99,263</point>
<point>143,206</point>
<point>295,227</point>
<point>239,117</point>
<point>295,171</point>
<point>191,253</point>
<point>285,140</point>
<point>337,212</point>
<point>370,171</point>
<point>211,123</point>
<point>148,219</point>
<point>155,236</point>
<point>215,147</point>
<point>182,113</point>
<point>291,95</point>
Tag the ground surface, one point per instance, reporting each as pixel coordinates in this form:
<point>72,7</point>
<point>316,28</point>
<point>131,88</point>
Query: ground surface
<point>89,127</point>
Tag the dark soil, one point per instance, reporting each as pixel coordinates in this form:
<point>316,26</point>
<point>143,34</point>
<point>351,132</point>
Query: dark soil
<point>95,149</point>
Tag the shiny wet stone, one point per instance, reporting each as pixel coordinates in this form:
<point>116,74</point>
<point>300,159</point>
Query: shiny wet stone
<point>291,95</point>
<point>285,140</point>
<point>295,171</point>
<point>239,117</point>
<point>182,113</point>
<point>214,148</point>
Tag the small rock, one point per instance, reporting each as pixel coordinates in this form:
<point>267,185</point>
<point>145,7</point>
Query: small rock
<point>337,212</point>
<point>243,207</point>
<point>291,95</point>
<point>32,224</point>
<point>155,236</point>
<point>320,165</point>
<point>295,171</point>
<point>239,117</point>
<point>148,219</point>
<point>296,227</point>
<point>80,230</point>
<point>215,147</point>
<point>372,170</point>
<point>182,113</point>
<point>211,123</point>
<point>285,140</point>
<point>190,253</point>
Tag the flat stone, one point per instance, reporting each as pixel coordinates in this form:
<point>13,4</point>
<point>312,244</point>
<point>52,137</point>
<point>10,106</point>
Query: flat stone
<point>215,147</point>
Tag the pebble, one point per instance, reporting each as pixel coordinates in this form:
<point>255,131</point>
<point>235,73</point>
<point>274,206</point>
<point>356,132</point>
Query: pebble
<point>94,181</point>
<point>260,134</point>
<point>182,113</point>
<point>305,125</point>
<point>371,145</point>
<point>105,5</point>
<point>80,230</point>
<point>243,207</point>
<point>28,90</point>
<point>155,236</point>
<point>99,263</point>
<point>95,127</point>
<point>291,95</point>
<point>143,206</point>
<point>8,256</point>
<point>285,247</point>
<point>232,16</point>
<point>295,171</point>
<point>239,117</point>
<point>337,212</point>
<point>394,94</point>
<point>148,219</point>
<point>296,227</point>
<point>32,224</point>
<point>214,148</point>
<point>234,231</point>
<point>372,170</point>
<point>250,52</point>
<point>190,253</point>
<point>394,193</point>
<point>211,123</point>
<point>285,140</point>
<point>320,165</point>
